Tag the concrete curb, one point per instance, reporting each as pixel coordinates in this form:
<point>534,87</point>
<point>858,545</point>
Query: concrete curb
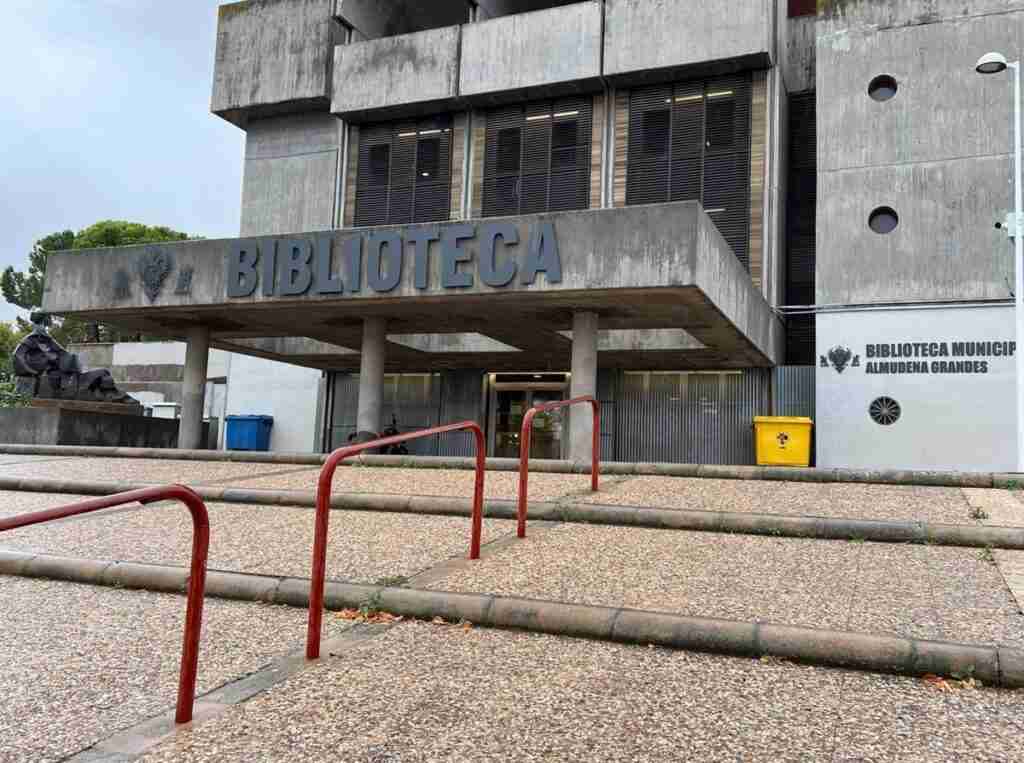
<point>775,525</point>
<point>993,666</point>
<point>767,473</point>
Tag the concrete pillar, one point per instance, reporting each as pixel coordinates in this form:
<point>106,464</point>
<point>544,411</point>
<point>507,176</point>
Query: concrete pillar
<point>193,388</point>
<point>584,382</point>
<point>371,376</point>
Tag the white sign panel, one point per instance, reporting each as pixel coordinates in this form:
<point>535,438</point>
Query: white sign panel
<point>917,389</point>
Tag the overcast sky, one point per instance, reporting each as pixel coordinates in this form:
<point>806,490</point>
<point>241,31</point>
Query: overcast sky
<point>105,114</point>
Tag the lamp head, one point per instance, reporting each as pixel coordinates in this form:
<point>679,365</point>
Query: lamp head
<point>991,63</point>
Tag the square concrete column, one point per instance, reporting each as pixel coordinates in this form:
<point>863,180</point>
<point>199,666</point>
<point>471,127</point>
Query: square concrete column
<point>371,378</point>
<point>584,382</point>
<point>193,388</point>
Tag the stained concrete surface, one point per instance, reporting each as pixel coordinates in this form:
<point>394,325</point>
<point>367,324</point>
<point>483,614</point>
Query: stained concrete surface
<point>80,663</point>
<point>270,540</point>
<point>444,693</point>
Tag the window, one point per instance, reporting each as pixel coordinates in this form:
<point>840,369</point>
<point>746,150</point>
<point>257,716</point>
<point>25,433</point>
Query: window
<point>691,142</point>
<point>537,157</point>
<point>404,173</point>
<point>883,88</point>
<point>884,220</point>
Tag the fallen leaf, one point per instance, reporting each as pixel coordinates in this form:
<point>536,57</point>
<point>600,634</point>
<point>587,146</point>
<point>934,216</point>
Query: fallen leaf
<point>467,625</point>
<point>937,682</point>
<point>438,621</point>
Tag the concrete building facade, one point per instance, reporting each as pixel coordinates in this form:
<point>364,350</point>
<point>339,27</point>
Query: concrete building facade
<point>457,209</point>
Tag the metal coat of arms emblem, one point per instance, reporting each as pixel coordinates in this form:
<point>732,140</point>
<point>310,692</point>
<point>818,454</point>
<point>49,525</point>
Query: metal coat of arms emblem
<point>154,267</point>
<point>839,358</point>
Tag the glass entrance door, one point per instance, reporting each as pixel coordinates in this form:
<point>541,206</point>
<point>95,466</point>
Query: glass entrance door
<point>546,440</point>
<point>511,406</point>
<point>508,421</point>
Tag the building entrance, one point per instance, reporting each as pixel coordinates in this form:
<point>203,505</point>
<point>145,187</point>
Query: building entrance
<point>512,395</point>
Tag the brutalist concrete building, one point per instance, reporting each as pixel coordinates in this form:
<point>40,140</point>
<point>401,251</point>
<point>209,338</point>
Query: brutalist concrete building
<point>699,212</point>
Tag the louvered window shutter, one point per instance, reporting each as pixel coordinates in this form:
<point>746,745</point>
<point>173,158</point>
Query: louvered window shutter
<point>404,173</point>
<point>801,225</point>
<point>537,157</point>
<point>691,142</point>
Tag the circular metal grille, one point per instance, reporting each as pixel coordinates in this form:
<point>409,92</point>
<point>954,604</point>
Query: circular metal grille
<point>885,411</point>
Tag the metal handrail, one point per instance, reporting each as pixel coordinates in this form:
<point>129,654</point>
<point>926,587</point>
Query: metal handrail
<point>197,576</point>
<point>323,508</point>
<point>524,450</point>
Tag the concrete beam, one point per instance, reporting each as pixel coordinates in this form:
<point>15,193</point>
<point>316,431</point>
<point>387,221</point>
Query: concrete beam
<point>645,37</point>
<point>554,51</point>
<point>411,72</point>
<point>273,56</point>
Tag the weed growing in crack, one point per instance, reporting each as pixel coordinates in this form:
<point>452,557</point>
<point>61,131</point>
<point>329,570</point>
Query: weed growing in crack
<point>976,512</point>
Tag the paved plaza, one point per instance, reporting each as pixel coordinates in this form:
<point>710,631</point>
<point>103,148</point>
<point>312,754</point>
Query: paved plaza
<point>90,672</point>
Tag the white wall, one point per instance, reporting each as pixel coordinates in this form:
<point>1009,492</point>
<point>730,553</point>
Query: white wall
<point>948,421</point>
<point>286,392</point>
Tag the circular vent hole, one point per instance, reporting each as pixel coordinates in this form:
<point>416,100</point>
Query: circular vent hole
<point>885,411</point>
<point>884,220</point>
<point>883,87</point>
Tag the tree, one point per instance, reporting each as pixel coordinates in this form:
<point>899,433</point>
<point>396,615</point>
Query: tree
<point>25,289</point>
<point>10,335</point>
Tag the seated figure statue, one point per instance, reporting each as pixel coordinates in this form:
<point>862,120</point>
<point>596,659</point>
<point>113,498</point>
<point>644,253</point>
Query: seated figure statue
<point>44,369</point>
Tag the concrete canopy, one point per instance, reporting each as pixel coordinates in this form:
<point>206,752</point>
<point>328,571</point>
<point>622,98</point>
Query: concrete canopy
<point>517,281</point>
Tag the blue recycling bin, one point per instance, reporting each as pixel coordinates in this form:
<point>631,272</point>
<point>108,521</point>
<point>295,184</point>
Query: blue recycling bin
<point>248,432</point>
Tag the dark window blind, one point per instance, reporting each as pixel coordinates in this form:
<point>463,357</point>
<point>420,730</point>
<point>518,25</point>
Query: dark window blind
<point>801,228</point>
<point>803,8</point>
<point>691,142</point>
<point>537,157</point>
<point>404,173</point>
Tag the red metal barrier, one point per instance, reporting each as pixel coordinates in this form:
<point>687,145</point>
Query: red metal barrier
<point>197,576</point>
<point>323,509</point>
<point>524,450</point>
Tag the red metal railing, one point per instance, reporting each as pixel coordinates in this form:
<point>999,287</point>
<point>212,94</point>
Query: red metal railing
<point>323,508</point>
<point>197,577</point>
<point>524,450</point>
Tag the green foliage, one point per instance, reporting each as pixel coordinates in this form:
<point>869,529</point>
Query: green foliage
<point>25,289</point>
<point>10,335</point>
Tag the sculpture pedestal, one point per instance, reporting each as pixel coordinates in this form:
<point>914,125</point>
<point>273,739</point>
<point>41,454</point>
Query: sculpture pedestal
<point>63,422</point>
<point>118,409</point>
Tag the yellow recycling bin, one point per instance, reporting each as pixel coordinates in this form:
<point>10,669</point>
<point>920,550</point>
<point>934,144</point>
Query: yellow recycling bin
<point>783,441</point>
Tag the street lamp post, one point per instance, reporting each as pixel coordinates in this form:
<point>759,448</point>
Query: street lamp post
<point>995,63</point>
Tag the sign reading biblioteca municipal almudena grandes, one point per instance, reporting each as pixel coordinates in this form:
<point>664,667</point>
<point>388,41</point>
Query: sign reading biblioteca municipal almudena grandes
<point>917,389</point>
<point>297,267</point>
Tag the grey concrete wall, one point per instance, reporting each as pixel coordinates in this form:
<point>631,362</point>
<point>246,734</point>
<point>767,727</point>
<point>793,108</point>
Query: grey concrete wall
<point>271,53</point>
<point>532,50</point>
<point>291,170</point>
<point>407,69</point>
<point>937,153</point>
<point>883,14</point>
<point>798,53</point>
<point>669,34</point>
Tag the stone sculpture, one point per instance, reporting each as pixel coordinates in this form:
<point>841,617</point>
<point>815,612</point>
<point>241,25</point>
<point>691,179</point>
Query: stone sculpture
<point>43,369</point>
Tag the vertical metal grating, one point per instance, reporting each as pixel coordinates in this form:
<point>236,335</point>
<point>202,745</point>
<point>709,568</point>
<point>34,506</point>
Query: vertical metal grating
<point>691,142</point>
<point>801,230</point>
<point>404,172</point>
<point>689,417</point>
<point>537,157</point>
<point>793,391</point>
